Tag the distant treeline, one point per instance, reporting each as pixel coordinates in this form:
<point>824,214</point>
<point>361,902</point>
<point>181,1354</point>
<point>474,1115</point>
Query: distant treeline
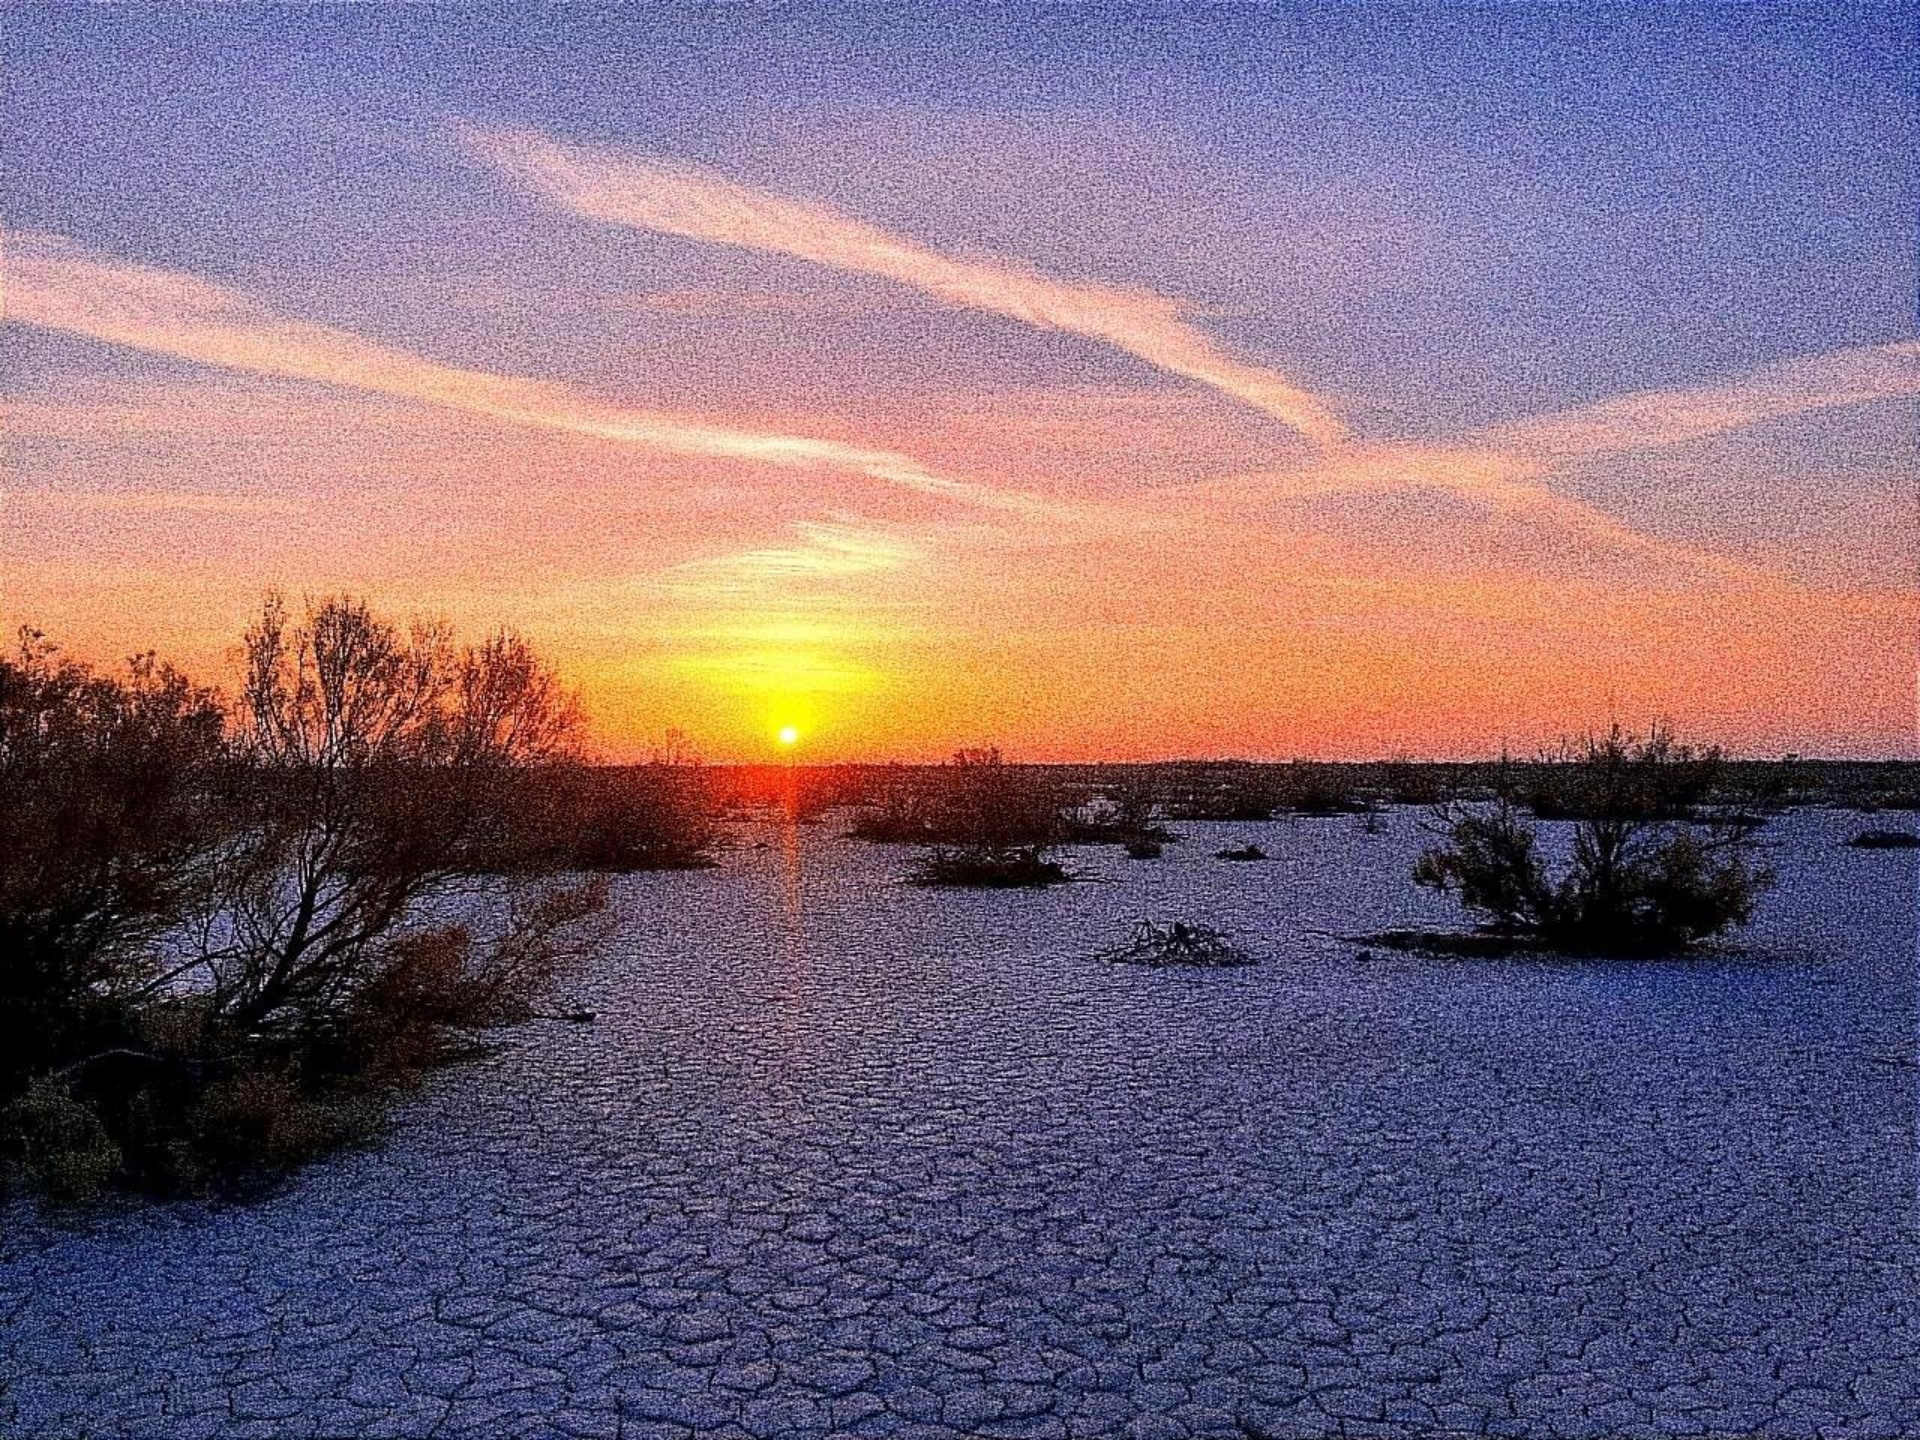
<point>1258,790</point>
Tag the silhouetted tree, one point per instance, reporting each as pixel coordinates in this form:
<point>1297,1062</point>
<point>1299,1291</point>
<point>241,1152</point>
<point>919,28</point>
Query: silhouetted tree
<point>224,938</point>
<point>109,830</point>
<point>386,768</point>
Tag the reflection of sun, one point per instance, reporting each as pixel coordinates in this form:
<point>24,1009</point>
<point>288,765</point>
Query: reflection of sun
<point>789,735</point>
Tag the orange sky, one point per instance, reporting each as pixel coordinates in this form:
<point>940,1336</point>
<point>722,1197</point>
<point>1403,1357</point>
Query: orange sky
<point>899,433</point>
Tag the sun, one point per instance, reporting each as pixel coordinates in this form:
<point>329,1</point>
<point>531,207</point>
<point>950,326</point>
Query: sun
<point>789,735</point>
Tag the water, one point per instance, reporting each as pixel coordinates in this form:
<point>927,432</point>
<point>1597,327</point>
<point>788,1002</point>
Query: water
<point>843,1156</point>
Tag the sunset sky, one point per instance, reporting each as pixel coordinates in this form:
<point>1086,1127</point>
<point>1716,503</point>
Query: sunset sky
<point>1099,387</point>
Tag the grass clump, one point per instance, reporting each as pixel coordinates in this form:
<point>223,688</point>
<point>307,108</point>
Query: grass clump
<point>1180,943</point>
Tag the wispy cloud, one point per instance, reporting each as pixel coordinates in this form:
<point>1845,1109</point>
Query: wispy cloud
<point>1504,482</point>
<point>1508,467</point>
<point>823,552</point>
<point>675,198</point>
<point>57,285</point>
<point>1652,419</point>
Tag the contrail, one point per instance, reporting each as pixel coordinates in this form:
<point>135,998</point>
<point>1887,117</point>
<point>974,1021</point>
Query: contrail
<point>1651,419</point>
<point>675,198</point>
<point>55,284</point>
<point>1503,467</point>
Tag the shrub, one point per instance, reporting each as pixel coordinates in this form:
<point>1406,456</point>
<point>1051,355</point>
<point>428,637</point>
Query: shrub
<point>214,953</point>
<point>1647,873</point>
<point>262,1122</point>
<point>1618,777</point>
<point>390,767</point>
<point>1885,840</point>
<point>1125,813</point>
<point>110,830</point>
<point>976,801</point>
<point>1407,782</point>
<point>1307,788</point>
<point>60,1142</point>
<point>614,821</point>
<point>1228,792</point>
<point>995,808</point>
<point>980,870</point>
<point>993,825</point>
<point>1241,853</point>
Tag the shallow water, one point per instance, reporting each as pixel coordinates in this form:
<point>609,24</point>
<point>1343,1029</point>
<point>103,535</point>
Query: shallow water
<point>842,1156</point>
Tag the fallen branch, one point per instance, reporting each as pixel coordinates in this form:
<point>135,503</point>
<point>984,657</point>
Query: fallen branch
<point>1181,943</point>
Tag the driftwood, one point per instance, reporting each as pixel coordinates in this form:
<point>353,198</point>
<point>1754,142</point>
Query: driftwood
<point>1181,943</point>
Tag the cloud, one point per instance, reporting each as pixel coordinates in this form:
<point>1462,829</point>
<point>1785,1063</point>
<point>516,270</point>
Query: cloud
<point>1656,418</point>
<point>675,198</point>
<point>1507,467</point>
<point>824,552</point>
<point>57,285</point>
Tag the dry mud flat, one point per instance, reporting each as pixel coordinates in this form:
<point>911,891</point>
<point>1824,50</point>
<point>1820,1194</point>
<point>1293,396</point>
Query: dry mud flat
<point>845,1157</point>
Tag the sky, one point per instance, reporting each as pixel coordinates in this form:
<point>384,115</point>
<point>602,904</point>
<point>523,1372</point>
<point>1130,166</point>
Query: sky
<point>1098,383</point>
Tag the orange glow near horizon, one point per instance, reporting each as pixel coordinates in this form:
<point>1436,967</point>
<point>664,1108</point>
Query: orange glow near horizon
<point>840,481</point>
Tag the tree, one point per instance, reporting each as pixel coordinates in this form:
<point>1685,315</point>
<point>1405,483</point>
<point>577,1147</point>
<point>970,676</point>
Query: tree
<point>226,938</point>
<point>110,826</point>
<point>385,768</point>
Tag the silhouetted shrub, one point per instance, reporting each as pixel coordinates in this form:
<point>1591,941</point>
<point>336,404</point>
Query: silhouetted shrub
<point>995,808</point>
<point>613,821</point>
<point>1241,853</point>
<point>993,825</point>
<point>1125,813</point>
<point>1407,782</point>
<point>1243,792</point>
<point>902,808</point>
<point>1145,848</point>
<point>1008,869</point>
<point>1236,792</point>
<point>1618,777</point>
<point>1885,840</point>
<point>1306,788</point>
<point>1647,873</point>
<point>111,831</point>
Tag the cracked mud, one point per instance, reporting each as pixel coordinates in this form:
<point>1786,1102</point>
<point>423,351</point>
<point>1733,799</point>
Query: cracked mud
<point>847,1157</point>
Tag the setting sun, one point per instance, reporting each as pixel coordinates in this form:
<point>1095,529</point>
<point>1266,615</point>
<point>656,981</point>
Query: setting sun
<point>1346,574</point>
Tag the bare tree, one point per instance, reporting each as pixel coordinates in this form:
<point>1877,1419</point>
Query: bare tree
<point>385,766</point>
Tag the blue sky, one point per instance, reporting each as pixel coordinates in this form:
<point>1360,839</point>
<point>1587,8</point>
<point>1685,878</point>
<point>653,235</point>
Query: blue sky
<point>1442,221</point>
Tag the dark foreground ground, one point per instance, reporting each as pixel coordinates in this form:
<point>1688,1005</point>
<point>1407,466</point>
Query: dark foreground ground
<point>846,1157</point>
